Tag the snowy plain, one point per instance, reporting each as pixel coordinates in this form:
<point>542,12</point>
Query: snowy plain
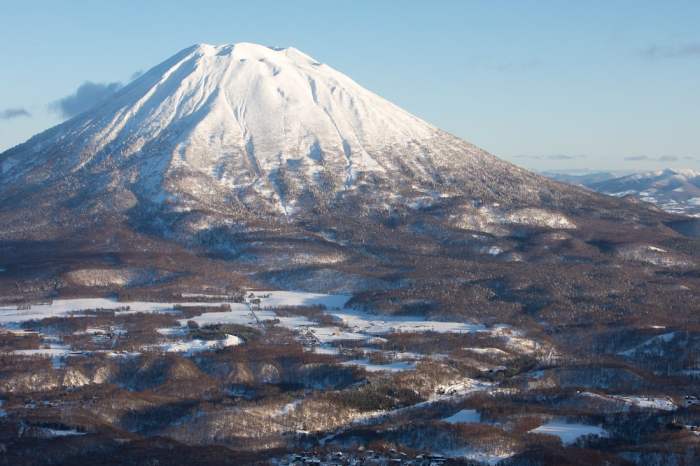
<point>353,325</point>
<point>568,432</point>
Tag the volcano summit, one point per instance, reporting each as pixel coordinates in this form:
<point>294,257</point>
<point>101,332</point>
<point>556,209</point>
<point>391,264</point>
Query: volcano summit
<point>234,129</point>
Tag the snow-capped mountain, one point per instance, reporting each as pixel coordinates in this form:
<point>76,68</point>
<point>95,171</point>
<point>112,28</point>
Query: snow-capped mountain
<point>585,178</point>
<point>234,129</point>
<point>674,190</point>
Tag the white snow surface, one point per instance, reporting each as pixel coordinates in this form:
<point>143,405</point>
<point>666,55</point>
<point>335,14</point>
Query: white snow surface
<point>357,325</point>
<point>45,352</point>
<point>482,456</point>
<point>464,416</point>
<point>648,402</point>
<point>221,131</point>
<point>239,315</point>
<point>568,432</point>
<point>368,323</point>
<point>396,366</point>
<point>237,116</point>
<point>45,432</point>
<point>196,345</point>
<point>273,299</point>
<point>65,307</point>
<point>487,351</point>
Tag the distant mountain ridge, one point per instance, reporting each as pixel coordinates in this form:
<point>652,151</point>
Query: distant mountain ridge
<point>674,190</point>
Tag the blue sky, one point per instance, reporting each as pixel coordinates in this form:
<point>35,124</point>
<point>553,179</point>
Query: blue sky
<point>545,84</point>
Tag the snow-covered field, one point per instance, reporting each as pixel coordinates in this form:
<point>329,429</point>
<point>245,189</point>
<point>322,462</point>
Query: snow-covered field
<point>568,432</point>
<point>373,324</point>
<point>196,345</point>
<point>397,366</point>
<point>46,432</point>
<point>487,351</point>
<point>260,307</point>
<point>273,299</point>
<point>464,416</point>
<point>648,402</point>
<point>239,314</point>
<point>662,403</point>
<point>10,315</point>
<point>482,456</point>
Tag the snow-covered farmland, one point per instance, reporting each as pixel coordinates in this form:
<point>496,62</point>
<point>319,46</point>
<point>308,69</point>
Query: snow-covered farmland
<point>464,416</point>
<point>373,324</point>
<point>273,299</point>
<point>396,366</point>
<point>261,308</point>
<point>661,403</point>
<point>568,432</point>
<point>238,315</point>
<point>197,345</point>
<point>10,315</point>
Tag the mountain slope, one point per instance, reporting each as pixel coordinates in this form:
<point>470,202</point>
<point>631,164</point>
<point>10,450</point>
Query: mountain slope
<point>673,190</point>
<point>580,179</point>
<point>235,127</point>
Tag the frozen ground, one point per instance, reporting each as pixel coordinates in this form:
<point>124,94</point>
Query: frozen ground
<point>375,324</point>
<point>53,433</point>
<point>661,403</point>
<point>465,416</point>
<point>397,366</point>
<point>488,351</point>
<point>258,310</point>
<point>648,402</point>
<point>239,314</point>
<point>10,315</point>
<point>568,432</point>
<point>481,456</point>
<point>196,345</point>
<point>273,299</point>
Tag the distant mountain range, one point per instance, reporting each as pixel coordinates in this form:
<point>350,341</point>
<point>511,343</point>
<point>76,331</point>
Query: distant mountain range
<point>673,190</point>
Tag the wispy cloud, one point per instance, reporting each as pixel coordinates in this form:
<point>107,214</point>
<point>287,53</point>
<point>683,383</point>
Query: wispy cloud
<point>663,158</point>
<point>552,157</point>
<point>87,96</point>
<point>689,50</point>
<point>10,113</point>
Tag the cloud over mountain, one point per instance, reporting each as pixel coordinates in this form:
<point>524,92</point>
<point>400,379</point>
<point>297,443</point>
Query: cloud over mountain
<point>10,113</point>
<point>88,95</point>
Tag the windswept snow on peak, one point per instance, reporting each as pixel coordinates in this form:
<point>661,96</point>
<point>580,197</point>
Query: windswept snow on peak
<point>216,131</point>
<point>231,117</point>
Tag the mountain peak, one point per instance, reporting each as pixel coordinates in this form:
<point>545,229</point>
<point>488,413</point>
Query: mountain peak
<point>250,50</point>
<point>243,125</point>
